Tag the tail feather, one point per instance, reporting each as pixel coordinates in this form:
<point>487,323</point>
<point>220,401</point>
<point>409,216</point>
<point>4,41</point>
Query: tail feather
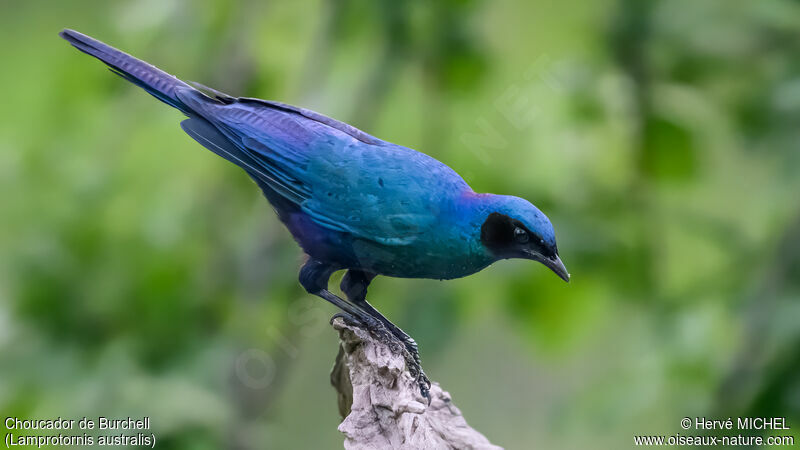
<point>156,82</point>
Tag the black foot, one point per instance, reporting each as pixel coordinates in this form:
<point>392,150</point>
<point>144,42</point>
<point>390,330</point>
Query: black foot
<point>397,345</point>
<point>408,347</point>
<point>414,363</point>
<point>375,328</point>
<point>354,285</point>
<point>422,381</point>
<point>348,319</point>
<point>404,343</point>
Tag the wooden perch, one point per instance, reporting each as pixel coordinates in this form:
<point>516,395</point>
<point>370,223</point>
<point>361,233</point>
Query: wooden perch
<point>381,403</point>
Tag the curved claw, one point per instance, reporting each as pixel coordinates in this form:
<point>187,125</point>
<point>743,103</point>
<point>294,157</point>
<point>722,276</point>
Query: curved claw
<point>403,344</point>
<point>415,369</point>
<point>346,317</point>
<point>424,386</point>
<point>411,347</point>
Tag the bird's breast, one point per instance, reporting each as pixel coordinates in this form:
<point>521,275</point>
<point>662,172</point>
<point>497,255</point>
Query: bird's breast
<point>430,255</point>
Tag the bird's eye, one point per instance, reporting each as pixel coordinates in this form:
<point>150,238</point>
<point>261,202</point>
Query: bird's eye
<point>520,235</point>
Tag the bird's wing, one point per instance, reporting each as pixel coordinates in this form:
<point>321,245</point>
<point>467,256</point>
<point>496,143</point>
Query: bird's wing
<point>373,192</point>
<point>342,178</point>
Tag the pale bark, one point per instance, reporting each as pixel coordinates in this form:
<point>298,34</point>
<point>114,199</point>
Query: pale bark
<point>382,405</point>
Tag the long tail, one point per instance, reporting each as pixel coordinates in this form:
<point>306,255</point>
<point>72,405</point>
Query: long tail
<point>156,82</point>
<point>192,101</point>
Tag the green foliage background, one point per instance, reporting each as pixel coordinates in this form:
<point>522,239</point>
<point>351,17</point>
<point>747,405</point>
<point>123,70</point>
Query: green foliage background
<point>142,275</point>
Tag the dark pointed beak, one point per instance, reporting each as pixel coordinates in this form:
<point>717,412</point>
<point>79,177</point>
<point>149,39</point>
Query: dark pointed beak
<point>553,263</point>
<point>557,266</point>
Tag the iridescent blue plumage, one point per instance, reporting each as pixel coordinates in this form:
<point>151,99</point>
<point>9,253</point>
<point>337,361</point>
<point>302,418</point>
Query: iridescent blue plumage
<point>352,201</point>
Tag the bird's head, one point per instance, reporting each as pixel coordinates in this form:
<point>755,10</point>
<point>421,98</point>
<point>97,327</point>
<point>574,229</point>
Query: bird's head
<point>514,228</point>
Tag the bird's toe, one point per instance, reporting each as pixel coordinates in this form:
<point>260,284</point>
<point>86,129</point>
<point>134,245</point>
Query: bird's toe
<point>348,319</point>
<point>424,386</point>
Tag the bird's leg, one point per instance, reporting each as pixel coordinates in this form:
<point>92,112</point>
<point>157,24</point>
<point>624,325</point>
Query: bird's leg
<point>314,277</point>
<point>413,360</point>
<point>354,285</point>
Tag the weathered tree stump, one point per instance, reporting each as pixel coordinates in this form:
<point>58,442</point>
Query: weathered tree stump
<point>381,403</point>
